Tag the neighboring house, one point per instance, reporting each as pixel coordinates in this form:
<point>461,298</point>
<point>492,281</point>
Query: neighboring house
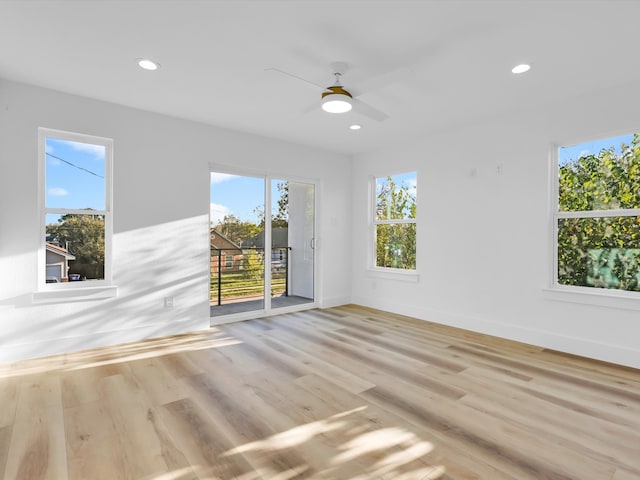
<point>279,245</point>
<point>226,252</point>
<point>279,238</point>
<point>57,263</point>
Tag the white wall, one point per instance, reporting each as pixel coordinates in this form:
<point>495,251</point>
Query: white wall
<point>161,207</point>
<point>473,230</point>
<point>484,251</point>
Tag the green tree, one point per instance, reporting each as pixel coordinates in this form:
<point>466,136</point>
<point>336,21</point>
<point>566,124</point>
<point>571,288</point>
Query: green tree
<point>253,265</point>
<point>83,236</point>
<point>281,217</point>
<point>600,251</point>
<point>236,230</point>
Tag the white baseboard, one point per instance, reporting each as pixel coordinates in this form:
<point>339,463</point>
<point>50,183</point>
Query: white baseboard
<point>44,348</point>
<point>572,345</point>
<point>334,302</point>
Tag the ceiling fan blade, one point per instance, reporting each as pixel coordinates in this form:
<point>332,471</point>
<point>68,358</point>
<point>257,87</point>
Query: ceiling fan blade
<point>311,107</point>
<point>386,79</point>
<point>369,111</point>
<point>295,76</point>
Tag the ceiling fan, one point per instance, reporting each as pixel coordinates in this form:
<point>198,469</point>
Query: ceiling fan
<point>337,99</point>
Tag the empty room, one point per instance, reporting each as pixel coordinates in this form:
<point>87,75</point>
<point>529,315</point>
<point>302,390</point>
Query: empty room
<point>348,240</point>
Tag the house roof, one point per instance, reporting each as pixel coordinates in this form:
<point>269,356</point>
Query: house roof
<point>279,238</point>
<point>59,251</point>
<point>218,240</point>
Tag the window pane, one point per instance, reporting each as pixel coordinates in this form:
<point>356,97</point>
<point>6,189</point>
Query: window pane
<point>75,175</point>
<point>599,252</point>
<point>396,246</point>
<point>600,175</point>
<point>74,247</point>
<point>396,197</point>
<point>237,216</point>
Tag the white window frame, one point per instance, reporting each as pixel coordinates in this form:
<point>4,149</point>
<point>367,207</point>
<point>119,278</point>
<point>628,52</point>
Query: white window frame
<point>104,288</point>
<point>410,275</point>
<point>573,293</point>
<point>268,176</point>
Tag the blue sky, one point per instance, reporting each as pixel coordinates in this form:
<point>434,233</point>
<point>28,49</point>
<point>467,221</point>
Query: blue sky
<point>239,195</point>
<point>573,152</point>
<point>74,175</point>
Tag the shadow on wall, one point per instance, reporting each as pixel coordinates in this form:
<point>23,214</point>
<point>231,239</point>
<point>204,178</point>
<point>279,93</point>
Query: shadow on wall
<point>150,265</point>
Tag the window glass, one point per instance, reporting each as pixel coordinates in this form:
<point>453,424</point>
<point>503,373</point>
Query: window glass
<point>395,221</point>
<point>598,216</point>
<point>75,174</point>
<point>396,246</point>
<point>396,197</point>
<point>75,206</point>
<point>599,252</point>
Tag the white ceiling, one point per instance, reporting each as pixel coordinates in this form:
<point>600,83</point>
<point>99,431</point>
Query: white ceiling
<point>430,65</point>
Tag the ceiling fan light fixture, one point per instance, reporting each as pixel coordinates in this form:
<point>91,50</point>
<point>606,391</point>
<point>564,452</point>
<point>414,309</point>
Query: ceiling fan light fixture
<point>336,103</point>
<point>336,100</point>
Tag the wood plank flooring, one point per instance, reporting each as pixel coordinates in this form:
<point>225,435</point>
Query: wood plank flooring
<point>345,393</point>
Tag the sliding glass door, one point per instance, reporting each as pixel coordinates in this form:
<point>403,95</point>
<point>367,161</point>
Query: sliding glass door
<point>292,240</point>
<point>259,262</point>
<point>236,232</point>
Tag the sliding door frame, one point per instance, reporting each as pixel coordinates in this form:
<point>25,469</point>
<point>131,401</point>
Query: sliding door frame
<point>268,177</point>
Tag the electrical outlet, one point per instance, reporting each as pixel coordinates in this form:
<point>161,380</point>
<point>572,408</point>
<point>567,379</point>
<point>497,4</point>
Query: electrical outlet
<point>500,169</point>
<point>168,302</point>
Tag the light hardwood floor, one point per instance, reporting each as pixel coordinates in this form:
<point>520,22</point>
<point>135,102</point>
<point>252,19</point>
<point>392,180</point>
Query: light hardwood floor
<point>344,393</point>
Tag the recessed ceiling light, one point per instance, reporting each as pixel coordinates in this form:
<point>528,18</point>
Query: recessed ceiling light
<point>148,64</point>
<point>523,67</point>
<point>355,127</point>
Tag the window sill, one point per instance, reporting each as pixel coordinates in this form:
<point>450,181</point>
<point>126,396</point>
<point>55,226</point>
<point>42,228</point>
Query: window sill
<point>394,274</point>
<point>594,296</point>
<point>77,294</point>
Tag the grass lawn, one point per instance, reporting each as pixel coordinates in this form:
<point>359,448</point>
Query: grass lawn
<point>238,285</point>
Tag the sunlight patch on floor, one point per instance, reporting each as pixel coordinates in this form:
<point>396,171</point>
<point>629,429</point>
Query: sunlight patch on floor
<point>121,353</point>
<point>364,454</point>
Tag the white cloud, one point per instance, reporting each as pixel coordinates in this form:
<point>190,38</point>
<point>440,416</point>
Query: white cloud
<point>217,212</point>
<point>584,153</point>
<point>220,177</point>
<point>90,148</point>
<point>58,192</point>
